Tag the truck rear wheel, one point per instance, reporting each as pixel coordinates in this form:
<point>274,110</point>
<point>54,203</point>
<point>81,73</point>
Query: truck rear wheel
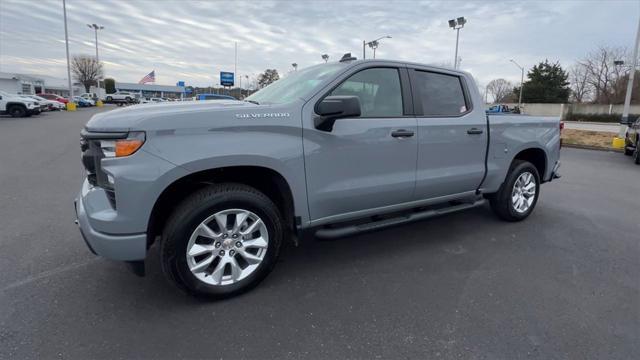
<point>222,240</point>
<point>518,194</point>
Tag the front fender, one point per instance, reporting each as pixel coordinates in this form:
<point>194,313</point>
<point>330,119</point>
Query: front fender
<point>278,148</point>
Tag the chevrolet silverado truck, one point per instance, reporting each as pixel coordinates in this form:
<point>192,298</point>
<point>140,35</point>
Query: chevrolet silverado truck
<point>330,150</point>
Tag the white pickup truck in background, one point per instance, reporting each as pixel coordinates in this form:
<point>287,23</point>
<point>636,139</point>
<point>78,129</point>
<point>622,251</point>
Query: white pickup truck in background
<point>18,106</point>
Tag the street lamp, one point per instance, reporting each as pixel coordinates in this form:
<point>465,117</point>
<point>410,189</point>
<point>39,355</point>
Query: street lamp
<point>457,24</point>
<point>372,44</point>
<point>521,81</point>
<point>95,29</point>
<point>295,66</point>
<point>325,57</point>
<point>66,42</point>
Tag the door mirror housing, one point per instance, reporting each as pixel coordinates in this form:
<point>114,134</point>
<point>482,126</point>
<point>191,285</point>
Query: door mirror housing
<point>332,108</point>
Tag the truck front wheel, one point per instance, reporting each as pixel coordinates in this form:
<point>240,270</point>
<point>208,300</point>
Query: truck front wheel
<point>518,194</point>
<point>17,111</point>
<point>221,240</point>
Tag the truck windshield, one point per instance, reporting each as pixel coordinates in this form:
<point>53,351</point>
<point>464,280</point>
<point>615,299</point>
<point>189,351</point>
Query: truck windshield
<point>295,85</point>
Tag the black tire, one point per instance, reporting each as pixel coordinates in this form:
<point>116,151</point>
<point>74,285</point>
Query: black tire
<point>195,209</point>
<point>627,151</point>
<point>501,201</point>
<point>128,99</point>
<point>636,153</point>
<point>17,111</point>
<point>109,99</point>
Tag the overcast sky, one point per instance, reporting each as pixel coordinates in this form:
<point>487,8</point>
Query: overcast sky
<point>194,40</point>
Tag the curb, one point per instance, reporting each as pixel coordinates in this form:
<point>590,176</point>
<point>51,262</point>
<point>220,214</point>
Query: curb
<point>589,147</point>
<point>590,122</point>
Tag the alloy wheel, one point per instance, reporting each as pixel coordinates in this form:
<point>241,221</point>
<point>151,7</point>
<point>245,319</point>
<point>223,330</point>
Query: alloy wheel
<point>227,247</point>
<point>524,192</point>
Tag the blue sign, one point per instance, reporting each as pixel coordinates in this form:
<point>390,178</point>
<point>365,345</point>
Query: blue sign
<point>226,78</point>
<point>180,83</point>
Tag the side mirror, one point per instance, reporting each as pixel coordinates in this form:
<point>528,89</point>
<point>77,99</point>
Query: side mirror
<point>333,108</point>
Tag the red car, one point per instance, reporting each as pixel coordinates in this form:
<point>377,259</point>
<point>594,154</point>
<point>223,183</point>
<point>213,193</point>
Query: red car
<point>54,97</point>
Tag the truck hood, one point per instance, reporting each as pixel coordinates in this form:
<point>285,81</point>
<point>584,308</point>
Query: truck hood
<point>169,115</point>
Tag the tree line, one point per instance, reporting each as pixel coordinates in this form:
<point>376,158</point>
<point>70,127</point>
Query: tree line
<point>599,78</point>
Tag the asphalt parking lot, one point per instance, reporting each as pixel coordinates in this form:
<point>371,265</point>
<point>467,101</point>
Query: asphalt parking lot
<point>564,284</point>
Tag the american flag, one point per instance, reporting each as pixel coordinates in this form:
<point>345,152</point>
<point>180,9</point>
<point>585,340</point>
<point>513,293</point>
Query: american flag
<point>150,77</point>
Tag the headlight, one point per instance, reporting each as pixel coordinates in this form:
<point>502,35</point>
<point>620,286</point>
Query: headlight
<point>123,147</point>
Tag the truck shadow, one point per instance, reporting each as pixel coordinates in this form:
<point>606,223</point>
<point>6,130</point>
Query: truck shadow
<point>451,235</point>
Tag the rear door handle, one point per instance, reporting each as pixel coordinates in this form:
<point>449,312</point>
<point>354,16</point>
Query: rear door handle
<point>474,131</point>
<point>402,133</point>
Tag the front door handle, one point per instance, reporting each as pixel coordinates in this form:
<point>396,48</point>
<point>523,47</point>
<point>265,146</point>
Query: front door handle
<point>474,131</point>
<point>402,133</point>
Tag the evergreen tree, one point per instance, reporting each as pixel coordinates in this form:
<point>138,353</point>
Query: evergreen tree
<point>547,83</point>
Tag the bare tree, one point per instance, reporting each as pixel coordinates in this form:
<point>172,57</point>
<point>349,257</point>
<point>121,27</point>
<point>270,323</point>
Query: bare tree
<point>580,86</point>
<point>602,74</point>
<point>267,77</point>
<point>87,70</point>
<point>499,89</point>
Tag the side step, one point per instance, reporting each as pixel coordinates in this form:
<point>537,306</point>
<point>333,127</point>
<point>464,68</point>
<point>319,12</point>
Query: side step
<point>330,233</point>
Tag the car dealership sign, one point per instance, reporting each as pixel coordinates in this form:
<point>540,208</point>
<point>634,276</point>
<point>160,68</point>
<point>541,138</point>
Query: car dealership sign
<point>226,78</point>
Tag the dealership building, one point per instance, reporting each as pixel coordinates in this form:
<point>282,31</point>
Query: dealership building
<point>149,90</point>
<point>28,84</point>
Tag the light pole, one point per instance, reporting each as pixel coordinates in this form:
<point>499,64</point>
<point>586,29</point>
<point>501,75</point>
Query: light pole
<point>295,66</point>
<point>66,41</point>
<point>372,44</point>
<point>325,57</point>
<point>627,98</point>
<point>521,81</point>
<point>457,24</point>
<point>95,29</point>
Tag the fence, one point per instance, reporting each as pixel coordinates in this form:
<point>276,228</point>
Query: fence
<point>579,112</point>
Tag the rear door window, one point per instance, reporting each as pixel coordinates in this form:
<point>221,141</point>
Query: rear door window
<point>440,94</point>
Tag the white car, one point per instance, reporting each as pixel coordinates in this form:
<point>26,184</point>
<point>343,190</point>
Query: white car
<point>17,105</point>
<point>121,96</point>
<point>51,104</point>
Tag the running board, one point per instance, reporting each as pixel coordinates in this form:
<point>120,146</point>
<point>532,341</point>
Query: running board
<point>330,233</point>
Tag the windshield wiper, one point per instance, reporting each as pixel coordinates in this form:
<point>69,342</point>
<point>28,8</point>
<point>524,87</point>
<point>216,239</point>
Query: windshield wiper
<point>253,102</point>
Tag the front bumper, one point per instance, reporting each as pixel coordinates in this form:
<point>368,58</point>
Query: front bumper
<point>125,247</point>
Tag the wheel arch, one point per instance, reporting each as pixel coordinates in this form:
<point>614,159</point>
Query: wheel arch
<point>536,156</point>
<point>266,180</point>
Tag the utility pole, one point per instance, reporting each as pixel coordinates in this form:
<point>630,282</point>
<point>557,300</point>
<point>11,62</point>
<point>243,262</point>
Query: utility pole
<point>66,41</point>
<point>235,65</point>
<point>624,122</point>
<point>364,49</point>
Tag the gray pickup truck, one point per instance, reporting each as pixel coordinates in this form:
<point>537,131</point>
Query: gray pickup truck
<point>330,150</point>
